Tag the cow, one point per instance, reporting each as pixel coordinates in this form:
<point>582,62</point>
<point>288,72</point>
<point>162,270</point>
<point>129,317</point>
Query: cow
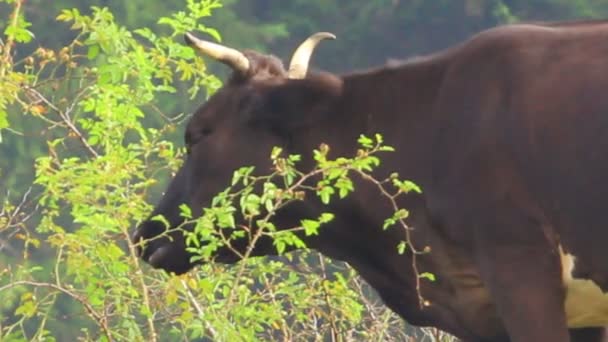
<point>506,134</point>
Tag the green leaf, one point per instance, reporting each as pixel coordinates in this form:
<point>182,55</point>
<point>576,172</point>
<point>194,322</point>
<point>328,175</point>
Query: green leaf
<point>388,223</point>
<point>185,211</point>
<point>401,214</point>
<point>427,275</point>
<point>345,186</point>
<point>276,152</point>
<point>326,217</point>
<point>311,227</point>
<point>213,33</point>
<point>3,119</point>
<point>225,218</point>
<point>406,186</point>
<point>280,245</point>
<point>250,204</point>
<point>401,247</point>
<point>379,139</point>
<point>269,206</point>
<point>65,15</point>
<point>411,186</point>
<point>162,219</point>
<point>93,51</point>
<point>325,194</point>
<point>365,141</point>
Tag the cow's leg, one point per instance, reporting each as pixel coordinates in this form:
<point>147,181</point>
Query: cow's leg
<point>520,264</point>
<point>588,335</point>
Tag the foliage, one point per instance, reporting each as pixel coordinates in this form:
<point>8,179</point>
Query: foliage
<point>16,32</point>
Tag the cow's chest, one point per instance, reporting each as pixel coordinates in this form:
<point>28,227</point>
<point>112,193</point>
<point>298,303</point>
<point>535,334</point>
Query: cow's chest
<point>586,304</point>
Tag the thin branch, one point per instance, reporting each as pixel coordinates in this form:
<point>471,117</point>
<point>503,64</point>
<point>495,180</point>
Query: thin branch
<point>332,319</point>
<point>6,61</point>
<point>142,284</point>
<point>199,309</point>
<point>14,219</point>
<point>65,117</point>
<point>101,320</point>
<point>422,302</point>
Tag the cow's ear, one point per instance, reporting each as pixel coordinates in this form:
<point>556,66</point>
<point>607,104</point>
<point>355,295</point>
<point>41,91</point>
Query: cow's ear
<point>300,102</point>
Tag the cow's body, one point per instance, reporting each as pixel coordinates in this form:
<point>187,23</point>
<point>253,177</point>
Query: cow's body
<point>507,135</point>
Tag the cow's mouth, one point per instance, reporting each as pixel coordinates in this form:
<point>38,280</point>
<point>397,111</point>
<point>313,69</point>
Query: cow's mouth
<point>170,254</point>
<point>156,258</point>
<point>168,257</point>
<point>161,253</point>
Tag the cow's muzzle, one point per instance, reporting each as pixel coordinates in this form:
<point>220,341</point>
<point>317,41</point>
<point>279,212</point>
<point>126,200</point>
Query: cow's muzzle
<point>167,252</point>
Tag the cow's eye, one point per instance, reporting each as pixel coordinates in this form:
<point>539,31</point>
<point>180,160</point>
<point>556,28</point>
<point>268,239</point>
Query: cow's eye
<point>193,139</point>
<point>206,131</point>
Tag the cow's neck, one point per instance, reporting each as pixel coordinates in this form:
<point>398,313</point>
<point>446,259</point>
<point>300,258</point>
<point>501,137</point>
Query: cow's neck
<point>398,103</point>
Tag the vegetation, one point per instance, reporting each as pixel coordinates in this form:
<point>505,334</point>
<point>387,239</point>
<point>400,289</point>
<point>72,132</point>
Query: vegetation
<point>91,112</point>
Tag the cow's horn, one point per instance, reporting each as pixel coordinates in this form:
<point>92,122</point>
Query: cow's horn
<point>301,57</point>
<point>231,57</point>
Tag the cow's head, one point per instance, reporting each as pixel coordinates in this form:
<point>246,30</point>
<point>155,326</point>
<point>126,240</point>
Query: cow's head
<point>262,105</point>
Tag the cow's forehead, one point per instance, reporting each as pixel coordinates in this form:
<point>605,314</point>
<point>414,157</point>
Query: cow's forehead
<point>265,70</point>
<point>262,67</point>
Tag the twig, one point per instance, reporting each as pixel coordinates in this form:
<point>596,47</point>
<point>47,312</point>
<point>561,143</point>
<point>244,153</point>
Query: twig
<point>12,221</point>
<point>101,320</point>
<point>332,319</point>
<point>273,298</point>
<point>422,302</point>
<point>6,58</point>
<point>198,308</point>
<point>142,284</point>
<point>65,117</point>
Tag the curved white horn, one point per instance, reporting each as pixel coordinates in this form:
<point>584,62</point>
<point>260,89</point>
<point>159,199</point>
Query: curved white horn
<point>231,57</point>
<point>301,57</point>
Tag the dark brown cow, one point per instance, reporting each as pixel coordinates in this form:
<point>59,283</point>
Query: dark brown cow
<point>507,134</point>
